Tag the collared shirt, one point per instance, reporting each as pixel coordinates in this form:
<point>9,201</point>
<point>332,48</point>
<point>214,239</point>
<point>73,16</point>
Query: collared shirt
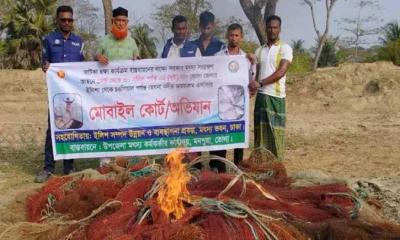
<point>269,59</point>
<point>175,50</point>
<point>115,49</point>
<point>213,47</point>
<point>252,67</point>
<point>57,49</point>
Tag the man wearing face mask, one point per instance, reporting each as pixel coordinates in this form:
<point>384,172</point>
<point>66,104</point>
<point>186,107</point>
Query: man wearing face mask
<point>59,46</point>
<point>118,45</point>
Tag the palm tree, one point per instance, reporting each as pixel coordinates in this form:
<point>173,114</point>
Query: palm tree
<point>328,56</point>
<point>298,46</point>
<point>146,43</point>
<point>25,24</point>
<point>391,32</point>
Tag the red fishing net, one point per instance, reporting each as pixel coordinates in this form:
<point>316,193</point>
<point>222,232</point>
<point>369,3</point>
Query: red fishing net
<point>325,211</point>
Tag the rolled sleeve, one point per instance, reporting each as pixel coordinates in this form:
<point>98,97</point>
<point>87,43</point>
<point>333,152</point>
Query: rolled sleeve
<point>45,51</point>
<point>100,46</point>
<point>287,53</point>
<point>82,52</point>
<point>135,52</point>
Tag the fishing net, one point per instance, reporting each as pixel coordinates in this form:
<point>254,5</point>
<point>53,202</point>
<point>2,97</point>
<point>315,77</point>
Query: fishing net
<point>228,206</point>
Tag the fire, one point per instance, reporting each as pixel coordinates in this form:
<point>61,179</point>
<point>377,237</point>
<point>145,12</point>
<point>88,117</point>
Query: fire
<point>174,191</point>
<point>61,74</point>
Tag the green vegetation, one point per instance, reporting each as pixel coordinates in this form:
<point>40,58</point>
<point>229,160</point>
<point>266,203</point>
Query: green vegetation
<point>25,24</point>
<point>146,43</point>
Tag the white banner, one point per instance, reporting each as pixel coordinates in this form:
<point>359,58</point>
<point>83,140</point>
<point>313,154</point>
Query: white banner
<point>148,106</point>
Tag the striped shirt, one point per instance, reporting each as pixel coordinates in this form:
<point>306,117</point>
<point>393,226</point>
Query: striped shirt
<point>269,59</point>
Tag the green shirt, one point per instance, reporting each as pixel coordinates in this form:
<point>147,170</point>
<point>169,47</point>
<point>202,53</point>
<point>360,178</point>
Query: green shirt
<point>117,50</point>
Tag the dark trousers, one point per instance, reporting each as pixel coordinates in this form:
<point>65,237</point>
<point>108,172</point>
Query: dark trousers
<point>237,158</point>
<point>49,163</point>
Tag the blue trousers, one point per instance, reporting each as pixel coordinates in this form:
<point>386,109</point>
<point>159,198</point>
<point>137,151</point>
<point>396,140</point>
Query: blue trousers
<point>49,163</point>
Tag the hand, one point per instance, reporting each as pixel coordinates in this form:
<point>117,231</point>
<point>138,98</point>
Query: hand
<point>252,93</point>
<point>254,86</point>
<point>252,58</point>
<point>45,66</point>
<point>102,59</point>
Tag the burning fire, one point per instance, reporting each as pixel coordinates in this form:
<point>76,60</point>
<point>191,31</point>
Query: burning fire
<point>173,192</point>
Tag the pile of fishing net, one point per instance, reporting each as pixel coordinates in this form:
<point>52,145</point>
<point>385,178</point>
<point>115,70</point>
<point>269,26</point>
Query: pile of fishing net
<point>146,201</point>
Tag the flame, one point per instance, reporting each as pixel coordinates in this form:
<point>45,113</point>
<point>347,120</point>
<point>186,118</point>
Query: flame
<point>61,74</point>
<point>174,191</point>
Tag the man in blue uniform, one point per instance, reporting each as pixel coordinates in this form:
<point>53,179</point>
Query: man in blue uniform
<point>179,46</point>
<point>59,46</point>
<point>208,44</point>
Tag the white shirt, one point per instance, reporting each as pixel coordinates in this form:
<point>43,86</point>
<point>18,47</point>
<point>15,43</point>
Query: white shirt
<point>175,50</point>
<point>252,67</point>
<point>269,59</point>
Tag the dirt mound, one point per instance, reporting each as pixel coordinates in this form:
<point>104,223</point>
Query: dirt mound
<point>350,87</point>
<point>23,107</point>
<point>343,121</point>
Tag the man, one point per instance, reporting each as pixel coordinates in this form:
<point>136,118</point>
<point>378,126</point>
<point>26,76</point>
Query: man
<point>234,35</point>
<point>179,46</point>
<point>118,45</point>
<point>207,43</point>
<point>209,46</point>
<point>59,46</point>
<point>269,111</point>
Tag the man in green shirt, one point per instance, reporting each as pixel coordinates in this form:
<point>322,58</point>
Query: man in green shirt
<point>118,45</point>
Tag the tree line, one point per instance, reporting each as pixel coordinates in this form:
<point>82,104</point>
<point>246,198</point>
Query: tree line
<point>23,23</point>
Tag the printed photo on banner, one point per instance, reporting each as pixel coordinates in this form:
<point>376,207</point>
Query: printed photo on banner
<point>231,102</point>
<point>67,111</point>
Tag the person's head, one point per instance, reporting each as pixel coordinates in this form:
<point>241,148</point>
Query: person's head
<point>68,104</point>
<point>273,28</point>
<point>234,35</point>
<point>65,18</point>
<point>207,23</point>
<point>179,27</point>
<point>119,23</point>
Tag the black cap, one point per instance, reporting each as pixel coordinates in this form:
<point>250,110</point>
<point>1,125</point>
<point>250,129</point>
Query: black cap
<point>120,11</point>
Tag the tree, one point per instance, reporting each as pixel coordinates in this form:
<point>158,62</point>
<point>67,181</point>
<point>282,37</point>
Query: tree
<point>25,25</point>
<point>147,44</point>
<point>107,7</point>
<point>191,9</point>
<point>321,37</point>
<point>247,27</point>
<point>328,57</point>
<point>298,46</point>
<point>391,40</point>
<point>254,12</point>
<point>390,52</point>
<point>391,32</point>
<point>5,7</point>
<point>356,26</point>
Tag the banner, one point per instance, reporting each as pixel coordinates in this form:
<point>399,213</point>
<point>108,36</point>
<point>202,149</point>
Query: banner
<point>148,106</point>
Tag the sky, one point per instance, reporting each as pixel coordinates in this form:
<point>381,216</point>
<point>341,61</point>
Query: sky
<point>296,18</point>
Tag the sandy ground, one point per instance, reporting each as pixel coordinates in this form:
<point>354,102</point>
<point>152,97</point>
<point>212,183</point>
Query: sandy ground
<point>343,121</point>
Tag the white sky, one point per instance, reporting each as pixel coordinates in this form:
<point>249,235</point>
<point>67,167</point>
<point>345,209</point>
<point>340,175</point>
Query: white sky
<point>296,18</point>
